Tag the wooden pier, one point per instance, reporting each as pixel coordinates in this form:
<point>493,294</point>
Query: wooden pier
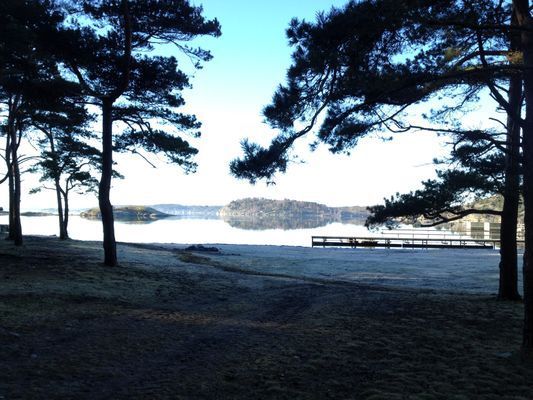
<point>429,242</point>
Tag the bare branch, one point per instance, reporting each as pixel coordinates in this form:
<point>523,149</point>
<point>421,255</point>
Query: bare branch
<point>145,159</point>
<point>457,215</point>
<point>494,91</point>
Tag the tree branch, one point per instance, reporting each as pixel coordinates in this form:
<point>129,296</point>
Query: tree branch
<point>126,71</point>
<point>458,215</point>
<point>494,91</point>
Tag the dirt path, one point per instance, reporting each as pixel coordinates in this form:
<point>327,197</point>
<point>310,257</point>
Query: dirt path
<point>178,325</point>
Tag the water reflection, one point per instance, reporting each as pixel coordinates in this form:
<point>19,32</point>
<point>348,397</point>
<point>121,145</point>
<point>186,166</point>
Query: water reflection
<point>258,223</point>
<point>186,230</point>
<point>266,231</point>
<point>138,221</point>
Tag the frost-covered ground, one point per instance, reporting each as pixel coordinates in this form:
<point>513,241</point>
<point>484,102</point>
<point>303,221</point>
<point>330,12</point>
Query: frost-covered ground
<point>462,270</point>
<point>243,324</point>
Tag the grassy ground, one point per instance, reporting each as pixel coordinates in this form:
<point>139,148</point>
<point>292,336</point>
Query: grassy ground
<point>170,324</point>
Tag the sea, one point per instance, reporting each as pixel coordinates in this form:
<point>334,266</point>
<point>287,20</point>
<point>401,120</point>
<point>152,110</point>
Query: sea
<point>198,231</point>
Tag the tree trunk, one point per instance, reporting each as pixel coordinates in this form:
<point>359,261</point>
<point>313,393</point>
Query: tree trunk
<point>15,226</point>
<point>65,218</point>
<point>17,235</point>
<point>61,217</point>
<point>508,289</point>
<point>522,11</point>
<point>106,209</point>
<point>528,220</point>
<point>62,229</point>
<point>11,185</point>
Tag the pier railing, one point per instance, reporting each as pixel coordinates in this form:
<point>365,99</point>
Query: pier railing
<point>405,241</point>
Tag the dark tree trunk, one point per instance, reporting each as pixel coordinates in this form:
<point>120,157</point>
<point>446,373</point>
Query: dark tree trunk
<point>106,209</point>
<point>508,289</point>
<point>15,226</point>
<point>61,213</point>
<point>61,217</point>
<point>11,185</point>
<point>523,17</point>
<point>65,215</point>
<point>528,220</point>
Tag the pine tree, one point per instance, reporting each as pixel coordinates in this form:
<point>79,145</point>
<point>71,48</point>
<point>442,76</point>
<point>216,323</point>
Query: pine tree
<point>66,159</point>
<point>362,66</point>
<point>26,29</point>
<point>118,67</point>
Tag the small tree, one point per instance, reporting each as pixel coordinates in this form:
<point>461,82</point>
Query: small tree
<point>66,159</point>
<point>67,163</point>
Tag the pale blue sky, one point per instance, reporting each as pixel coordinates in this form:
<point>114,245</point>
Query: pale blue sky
<point>250,60</point>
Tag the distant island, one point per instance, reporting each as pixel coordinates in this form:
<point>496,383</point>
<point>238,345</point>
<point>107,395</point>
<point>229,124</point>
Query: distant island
<point>128,213</point>
<point>260,213</point>
<point>268,207</point>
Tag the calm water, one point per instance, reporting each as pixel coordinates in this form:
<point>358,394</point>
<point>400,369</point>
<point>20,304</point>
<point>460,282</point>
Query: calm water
<point>178,230</point>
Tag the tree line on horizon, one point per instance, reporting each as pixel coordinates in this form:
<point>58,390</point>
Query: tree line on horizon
<point>356,71</point>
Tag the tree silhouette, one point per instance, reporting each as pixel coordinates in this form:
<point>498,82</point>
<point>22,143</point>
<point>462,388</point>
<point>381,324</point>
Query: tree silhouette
<point>66,159</point>
<point>357,69</point>
<point>26,30</point>
<point>110,48</point>
<point>440,201</point>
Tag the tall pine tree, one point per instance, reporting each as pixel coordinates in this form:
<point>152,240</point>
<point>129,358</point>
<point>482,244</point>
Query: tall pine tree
<point>109,47</point>
<point>26,30</point>
<point>363,65</point>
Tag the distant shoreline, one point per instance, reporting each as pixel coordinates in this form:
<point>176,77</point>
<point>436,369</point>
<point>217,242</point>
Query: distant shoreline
<point>33,214</point>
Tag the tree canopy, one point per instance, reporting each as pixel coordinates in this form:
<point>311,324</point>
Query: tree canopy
<point>27,74</point>
<point>356,70</point>
<point>475,169</point>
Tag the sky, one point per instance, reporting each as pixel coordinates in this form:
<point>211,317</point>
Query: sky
<point>250,61</point>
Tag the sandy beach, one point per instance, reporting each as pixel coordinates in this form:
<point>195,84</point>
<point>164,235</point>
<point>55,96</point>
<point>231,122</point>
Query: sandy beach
<point>254,322</point>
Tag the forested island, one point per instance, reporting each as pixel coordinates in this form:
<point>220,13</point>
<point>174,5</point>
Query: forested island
<point>260,213</point>
<point>284,208</point>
